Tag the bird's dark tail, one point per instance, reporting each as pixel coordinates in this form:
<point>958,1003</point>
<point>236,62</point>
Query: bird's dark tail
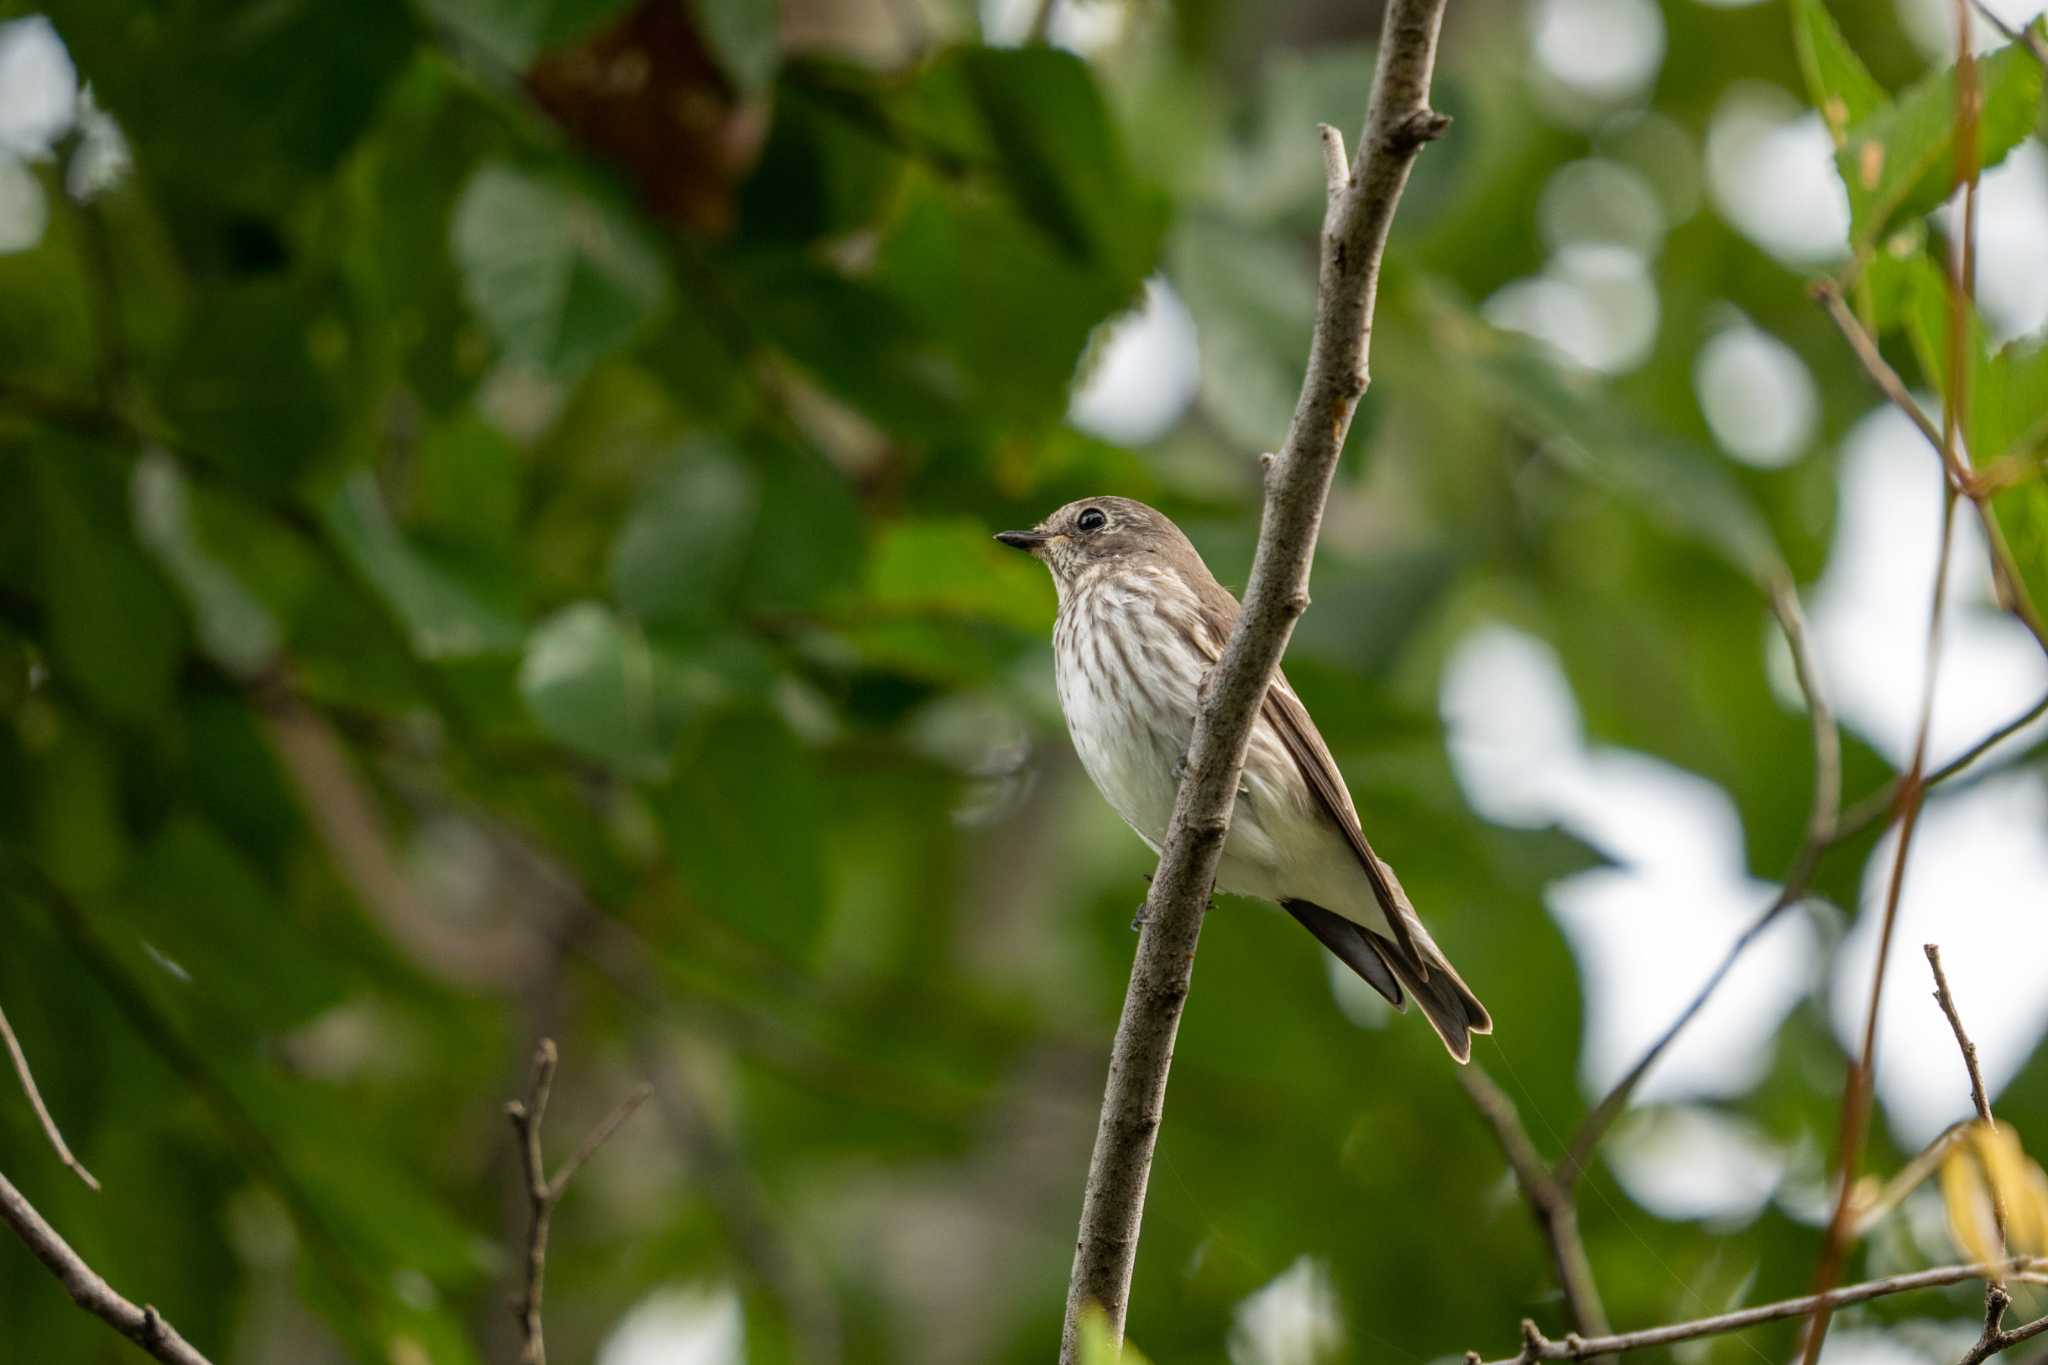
<point>1445,1000</point>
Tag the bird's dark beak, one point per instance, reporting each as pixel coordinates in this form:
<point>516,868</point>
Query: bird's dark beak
<point>1023,540</point>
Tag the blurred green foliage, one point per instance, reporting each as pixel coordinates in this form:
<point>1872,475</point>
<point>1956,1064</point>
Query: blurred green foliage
<point>498,545</point>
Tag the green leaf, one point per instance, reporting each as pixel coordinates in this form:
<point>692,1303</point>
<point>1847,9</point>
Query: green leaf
<point>257,379</point>
<point>514,32</point>
<point>560,278</point>
<point>2011,408</point>
<point>824,171</point>
<point>955,568</point>
<point>442,617</point>
<point>599,686</point>
<point>80,837</point>
<point>2022,514</point>
<point>744,35</point>
<point>235,629</point>
<point>1899,161</point>
<point>2007,390</point>
<point>1047,121</point>
<point>214,925</point>
<point>1099,1345</point>
<point>746,817</point>
<point>114,627</point>
<point>1253,299</point>
<point>678,557</point>
<point>1837,82</point>
<point>1683,485</point>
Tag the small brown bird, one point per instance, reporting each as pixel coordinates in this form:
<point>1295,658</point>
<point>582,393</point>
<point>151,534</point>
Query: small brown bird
<point>1141,622</point>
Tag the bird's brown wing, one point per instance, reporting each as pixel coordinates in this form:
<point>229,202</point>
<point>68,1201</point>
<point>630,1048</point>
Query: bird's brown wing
<point>1283,711</point>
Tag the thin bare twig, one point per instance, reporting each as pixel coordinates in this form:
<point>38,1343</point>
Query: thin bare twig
<point>1856,1093</point>
<point>1997,1300</point>
<point>1398,125</point>
<point>2004,569</point>
<point>543,1193</point>
<point>35,1102</point>
<point>1875,806</point>
<point>1978,1096</point>
<point>1549,1200</point>
<point>1856,1098</point>
<point>1536,1346</point>
<point>1822,823</point>
<point>142,1325</point>
<point>1996,1336</point>
<point>2026,34</point>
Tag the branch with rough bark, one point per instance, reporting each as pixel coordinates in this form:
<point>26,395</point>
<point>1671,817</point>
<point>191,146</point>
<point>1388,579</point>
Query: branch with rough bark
<point>142,1325</point>
<point>543,1192</point>
<point>1359,213</point>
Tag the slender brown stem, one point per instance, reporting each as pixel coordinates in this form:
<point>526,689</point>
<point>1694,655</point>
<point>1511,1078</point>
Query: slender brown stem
<point>1549,1200</point>
<point>1879,803</point>
<point>35,1102</point>
<point>1856,1094</point>
<point>543,1193</point>
<point>2004,568</point>
<point>1822,823</point>
<point>1356,222</point>
<point>142,1325</point>
<point>1978,1096</point>
<point>1535,1346</point>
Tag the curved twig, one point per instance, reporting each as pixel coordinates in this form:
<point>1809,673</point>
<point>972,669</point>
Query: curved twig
<point>142,1325</point>
<point>35,1102</point>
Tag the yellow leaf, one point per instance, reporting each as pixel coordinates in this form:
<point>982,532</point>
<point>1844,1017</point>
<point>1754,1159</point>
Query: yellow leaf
<point>1991,1159</point>
<point>1099,1345</point>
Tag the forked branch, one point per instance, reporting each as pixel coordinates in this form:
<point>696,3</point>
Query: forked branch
<point>544,1192</point>
<point>1536,1346</point>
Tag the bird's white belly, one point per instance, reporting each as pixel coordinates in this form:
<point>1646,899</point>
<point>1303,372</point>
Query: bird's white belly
<point>1277,848</point>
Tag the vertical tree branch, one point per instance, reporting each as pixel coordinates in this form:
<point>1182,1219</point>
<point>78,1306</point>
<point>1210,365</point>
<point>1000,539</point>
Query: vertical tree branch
<point>143,1325</point>
<point>1356,222</point>
<point>35,1102</point>
<point>543,1193</point>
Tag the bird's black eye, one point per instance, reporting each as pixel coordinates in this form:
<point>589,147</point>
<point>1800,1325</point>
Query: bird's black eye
<point>1091,519</point>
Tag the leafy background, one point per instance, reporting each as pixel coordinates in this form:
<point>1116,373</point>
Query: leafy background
<point>497,545</point>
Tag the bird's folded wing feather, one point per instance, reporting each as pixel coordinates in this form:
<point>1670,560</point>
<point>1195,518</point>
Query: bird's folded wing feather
<point>1289,719</point>
<point>1285,713</point>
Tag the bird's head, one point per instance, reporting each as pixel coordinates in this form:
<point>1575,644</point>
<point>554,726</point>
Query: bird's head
<point>1102,533</point>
